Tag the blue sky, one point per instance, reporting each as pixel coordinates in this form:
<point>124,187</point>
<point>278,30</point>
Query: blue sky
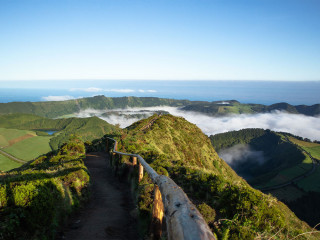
<point>160,39</point>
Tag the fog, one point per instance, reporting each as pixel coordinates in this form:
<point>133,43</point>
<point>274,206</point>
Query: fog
<point>297,124</point>
<point>241,153</point>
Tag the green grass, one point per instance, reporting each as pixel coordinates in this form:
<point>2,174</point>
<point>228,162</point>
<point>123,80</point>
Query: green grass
<point>288,193</point>
<point>30,148</point>
<point>288,173</point>
<point>38,196</point>
<point>314,151</point>
<point>311,183</point>
<point>312,148</point>
<point>9,134</point>
<point>7,164</point>
<point>67,116</point>
<point>174,147</point>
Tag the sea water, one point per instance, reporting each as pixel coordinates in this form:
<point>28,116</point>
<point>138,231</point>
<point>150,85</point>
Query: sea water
<point>262,92</point>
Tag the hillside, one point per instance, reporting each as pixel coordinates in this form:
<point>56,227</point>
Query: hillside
<point>216,108</point>
<point>88,128</point>
<point>220,108</point>
<point>290,170</point>
<point>61,108</point>
<point>232,208</point>
<point>37,197</point>
<point>271,153</point>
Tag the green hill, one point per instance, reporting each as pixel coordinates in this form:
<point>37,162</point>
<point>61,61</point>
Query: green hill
<point>61,108</point>
<point>232,208</point>
<point>279,154</point>
<point>221,108</point>
<point>216,108</point>
<point>88,128</point>
<point>288,172</point>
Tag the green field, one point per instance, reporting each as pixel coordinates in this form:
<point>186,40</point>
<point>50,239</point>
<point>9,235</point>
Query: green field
<point>311,183</point>
<point>312,148</point>
<point>30,148</point>
<point>289,173</point>
<point>7,135</point>
<point>288,193</point>
<point>7,164</point>
<point>22,144</point>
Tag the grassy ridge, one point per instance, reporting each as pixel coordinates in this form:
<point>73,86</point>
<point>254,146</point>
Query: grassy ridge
<point>175,147</point>
<point>62,108</point>
<point>36,197</point>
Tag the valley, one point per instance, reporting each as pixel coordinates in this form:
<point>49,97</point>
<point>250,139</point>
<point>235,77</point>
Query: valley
<point>287,166</point>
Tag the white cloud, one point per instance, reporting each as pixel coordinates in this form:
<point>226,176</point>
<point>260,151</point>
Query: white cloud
<point>57,98</point>
<point>240,153</point>
<point>90,89</point>
<point>148,91</point>
<point>119,90</point>
<point>301,125</point>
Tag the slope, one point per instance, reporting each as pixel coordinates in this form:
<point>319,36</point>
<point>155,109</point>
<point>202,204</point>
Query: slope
<point>290,171</point>
<point>88,128</point>
<point>232,208</point>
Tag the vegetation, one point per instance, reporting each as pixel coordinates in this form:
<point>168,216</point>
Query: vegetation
<point>289,166</point>
<point>88,128</point>
<point>234,107</point>
<point>30,148</point>
<point>233,209</point>
<point>7,164</point>
<point>67,108</point>
<point>35,198</point>
<point>60,108</point>
<point>283,160</point>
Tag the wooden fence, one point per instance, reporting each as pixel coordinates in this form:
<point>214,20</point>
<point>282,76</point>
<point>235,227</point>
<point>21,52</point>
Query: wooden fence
<point>183,220</point>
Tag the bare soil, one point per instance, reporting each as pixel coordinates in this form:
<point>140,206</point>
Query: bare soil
<point>19,139</point>
<point>107,214</point>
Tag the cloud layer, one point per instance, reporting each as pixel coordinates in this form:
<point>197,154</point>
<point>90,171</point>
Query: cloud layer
<point>240,153</point>
<point>57,98</point>
<point>300,125</point>
<point>117,90</point>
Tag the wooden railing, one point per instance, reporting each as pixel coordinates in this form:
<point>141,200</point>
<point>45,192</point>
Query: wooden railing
<point>183,220</point>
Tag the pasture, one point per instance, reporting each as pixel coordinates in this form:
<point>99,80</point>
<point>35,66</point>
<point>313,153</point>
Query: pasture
<point>29,148</point>
<point>22,144</point>
<point>10,136</point>
<point>7,164</point>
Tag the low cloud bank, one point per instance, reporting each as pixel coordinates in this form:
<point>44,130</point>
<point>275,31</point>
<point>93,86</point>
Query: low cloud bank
<point>301,125</point>
<point>123,117</point>
<point>57,98</point>
<point>116,90</point>
<point>241,153</point>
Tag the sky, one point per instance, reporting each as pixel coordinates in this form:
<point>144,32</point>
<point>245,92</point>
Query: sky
<point>160,40</point>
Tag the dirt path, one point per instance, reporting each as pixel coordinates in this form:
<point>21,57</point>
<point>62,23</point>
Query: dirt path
<point>107,214</point>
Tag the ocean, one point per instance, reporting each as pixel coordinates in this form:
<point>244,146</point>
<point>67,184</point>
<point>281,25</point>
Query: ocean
<point>262,92</point>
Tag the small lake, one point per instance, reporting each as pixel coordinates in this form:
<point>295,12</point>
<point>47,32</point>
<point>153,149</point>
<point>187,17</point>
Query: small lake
<point>50,132</point>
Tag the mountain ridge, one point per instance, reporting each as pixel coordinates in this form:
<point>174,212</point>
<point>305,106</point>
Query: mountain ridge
<point>56,109</point>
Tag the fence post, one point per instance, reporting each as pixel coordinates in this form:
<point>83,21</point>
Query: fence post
<point>157,214</point>
<point>134,161</point>
<point>140,172</point>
